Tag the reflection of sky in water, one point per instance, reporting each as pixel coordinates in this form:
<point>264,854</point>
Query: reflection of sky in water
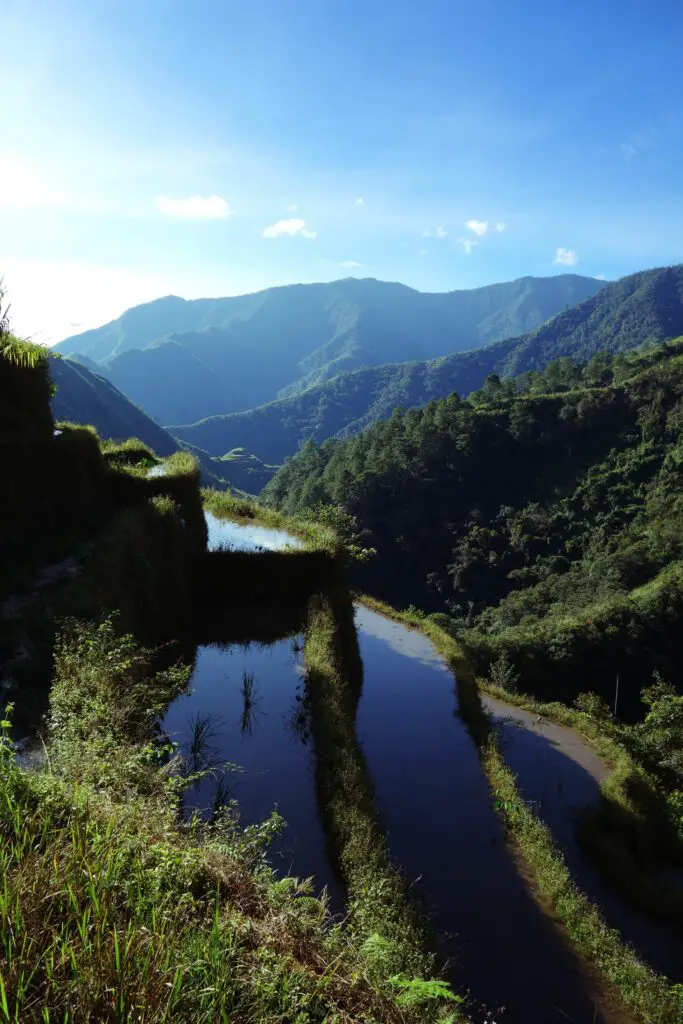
<point>265,736</point>
<point>399,638</point>
<point>435,803</point>
<point>251,537</point>
<point>159,470</point>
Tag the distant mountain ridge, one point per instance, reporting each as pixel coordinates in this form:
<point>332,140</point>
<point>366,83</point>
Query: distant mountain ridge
<point>182,361</point>
<point>621,316</point>
<point>85,397</point>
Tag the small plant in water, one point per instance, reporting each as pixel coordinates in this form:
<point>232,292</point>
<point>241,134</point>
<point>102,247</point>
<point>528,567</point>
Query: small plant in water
<point>249,703</point>
<point>203,730</point>
<point>502,673</point>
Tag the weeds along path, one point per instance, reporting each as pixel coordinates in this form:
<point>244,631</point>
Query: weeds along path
<point>559,773</point>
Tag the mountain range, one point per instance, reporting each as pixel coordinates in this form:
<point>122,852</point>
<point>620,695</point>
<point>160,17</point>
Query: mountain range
<point>620,316</point>
<point>85,397</point>
<point>182,361</point>
<point>354,345</point>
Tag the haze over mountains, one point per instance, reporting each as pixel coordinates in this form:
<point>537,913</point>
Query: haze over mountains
<point>86,397</point>
<point>325,361</point>
<point>182,361</point>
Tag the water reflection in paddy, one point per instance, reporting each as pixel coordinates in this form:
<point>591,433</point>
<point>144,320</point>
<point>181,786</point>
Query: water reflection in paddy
<point>434,800</point>
<point>242,709</point>
<point>247,536</point>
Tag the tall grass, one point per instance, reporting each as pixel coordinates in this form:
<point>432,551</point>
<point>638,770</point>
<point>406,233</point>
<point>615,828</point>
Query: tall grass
<point>116,910</point>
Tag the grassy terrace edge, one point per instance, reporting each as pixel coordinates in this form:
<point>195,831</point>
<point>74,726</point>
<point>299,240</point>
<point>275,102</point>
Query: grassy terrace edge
<point>649,997</point>
<point>247,510</point>
<point>386,920</point>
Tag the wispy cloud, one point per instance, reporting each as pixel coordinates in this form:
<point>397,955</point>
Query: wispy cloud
<point>423,252</point>
<point>601,277</point>
<point>566,257</point>
<point>441,231</point>
<point>292,208</point>
<point>350,264</point>
<point>195,208</point>
<point>480,227</point>
<point>500,226</point>
<point>292,226</point>
<point>467,244</point>
<point>359,202</point>
<point>637,142</point>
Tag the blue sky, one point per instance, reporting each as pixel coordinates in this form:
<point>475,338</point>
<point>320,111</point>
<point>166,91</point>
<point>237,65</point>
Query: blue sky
<point>213,148</point>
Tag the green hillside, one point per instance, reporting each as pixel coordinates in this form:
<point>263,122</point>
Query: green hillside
<point>182,361</point>
<point>543,516</point>
<point>648,305</point>
<point>88,398</point>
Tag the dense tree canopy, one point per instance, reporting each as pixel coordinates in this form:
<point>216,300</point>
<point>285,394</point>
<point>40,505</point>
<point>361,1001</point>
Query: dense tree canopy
<point>543,515</point>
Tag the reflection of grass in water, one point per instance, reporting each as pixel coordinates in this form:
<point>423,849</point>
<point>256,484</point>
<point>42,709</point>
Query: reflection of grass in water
<point>249,703</point>
<point>204,729</point>
<point>300,718</point>
<point>221,797</point>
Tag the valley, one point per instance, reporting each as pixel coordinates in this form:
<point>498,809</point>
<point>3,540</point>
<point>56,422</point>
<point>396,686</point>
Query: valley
<point>213,705</point>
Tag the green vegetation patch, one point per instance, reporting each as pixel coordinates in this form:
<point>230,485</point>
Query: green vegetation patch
<point>543,516</point>
<point>118,911</point>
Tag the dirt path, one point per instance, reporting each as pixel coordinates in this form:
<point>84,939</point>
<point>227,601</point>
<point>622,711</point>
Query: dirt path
<point>559,773</point>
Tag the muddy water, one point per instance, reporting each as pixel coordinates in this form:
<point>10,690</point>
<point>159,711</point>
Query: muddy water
<point>434,801</point>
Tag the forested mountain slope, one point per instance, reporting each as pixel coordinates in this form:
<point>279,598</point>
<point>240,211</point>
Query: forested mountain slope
<point>622,315</point>
<point>544,515</point>
<point>183,361</point>
<point>85,397</point>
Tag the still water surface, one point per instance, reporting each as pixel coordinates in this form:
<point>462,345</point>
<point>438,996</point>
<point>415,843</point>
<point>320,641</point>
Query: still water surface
<point>245,697</point>
<point>434,801</point>
<point>432,795</point>
<point>247,537</point>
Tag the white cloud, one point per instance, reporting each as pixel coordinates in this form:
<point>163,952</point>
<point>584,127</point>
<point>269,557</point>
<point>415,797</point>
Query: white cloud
<point>350,264</point>
<point>467,244</point>
<point>423,252</point>
<point>292,208</point>
<point>566,257</point>
<point>359,202</point>
<point>601,277</point>
<point>195,208</point>
<point>500,226</point>
<point>480,227</point>
<point>441,231</point>
<point>292,226</point>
